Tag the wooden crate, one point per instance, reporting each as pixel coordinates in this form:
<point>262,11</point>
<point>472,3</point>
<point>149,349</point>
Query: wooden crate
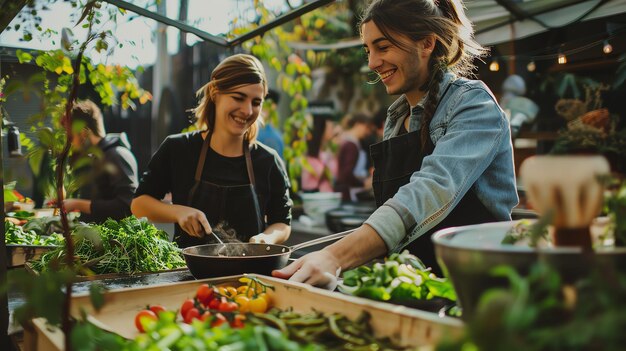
<point>405,326</point>
<point>42,337</point>
<point>83,278</point>
<point>18,255</point>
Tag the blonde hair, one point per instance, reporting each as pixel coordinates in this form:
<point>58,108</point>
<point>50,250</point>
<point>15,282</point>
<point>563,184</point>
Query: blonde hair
<point>234,71</point>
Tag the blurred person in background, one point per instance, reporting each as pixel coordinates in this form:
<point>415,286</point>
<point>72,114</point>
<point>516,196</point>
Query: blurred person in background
<point>319,174</point>
<point>219,174</point>
<point>268,133</point>
<point>446,158</point>
<point>108,181</point>
<point>353,175</point>
<point>518,108</point>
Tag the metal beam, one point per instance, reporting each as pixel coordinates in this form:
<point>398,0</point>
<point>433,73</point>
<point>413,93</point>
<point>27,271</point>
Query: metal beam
<point>10,9</point>
<point>515,10</point>
<point>170,22</point>
<point>279,20</point>
<point>219,40</point>
<point>532,16</point>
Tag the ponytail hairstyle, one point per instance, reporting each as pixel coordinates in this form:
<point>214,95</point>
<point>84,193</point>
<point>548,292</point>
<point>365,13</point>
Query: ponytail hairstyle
<point>234,71</point>
<point>455,47</point>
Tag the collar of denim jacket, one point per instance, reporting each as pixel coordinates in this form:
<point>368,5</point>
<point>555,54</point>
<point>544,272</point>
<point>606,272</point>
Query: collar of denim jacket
<point>400,107</point>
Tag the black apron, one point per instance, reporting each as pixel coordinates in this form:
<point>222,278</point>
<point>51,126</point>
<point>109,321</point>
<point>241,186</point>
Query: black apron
<point>237,206</point>
<point>395,160</point>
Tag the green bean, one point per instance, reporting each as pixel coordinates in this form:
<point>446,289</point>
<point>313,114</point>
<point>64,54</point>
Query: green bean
<point>334,328</point>
<point>272,321</point>
<point>303,321</point>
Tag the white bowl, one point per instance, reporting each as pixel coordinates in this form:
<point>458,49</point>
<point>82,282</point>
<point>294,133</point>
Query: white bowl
<point>23,206</point>
<point>469,253</point>
<point>315,205</point>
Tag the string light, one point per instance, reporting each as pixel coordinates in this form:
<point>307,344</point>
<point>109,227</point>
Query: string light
<point>560,55</point>
<point>494,66</point>
<point>607,48</point>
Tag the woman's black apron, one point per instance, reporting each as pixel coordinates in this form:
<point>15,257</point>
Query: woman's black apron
<point>395,160</point>
<point>237,206</point>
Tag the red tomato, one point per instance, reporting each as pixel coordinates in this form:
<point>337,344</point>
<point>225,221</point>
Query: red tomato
<point>157,309</point>
<point>187,305</point>
<point>206,315</point>
<point>144,318</point>
<point>218,320</point>
<point>205,294</point>
<point>214,304</point>
<point>192,314</point>
<point>238,321</point>
<point>227,306</point>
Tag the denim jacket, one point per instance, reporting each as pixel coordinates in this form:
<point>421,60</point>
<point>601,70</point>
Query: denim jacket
<point>473,152</point>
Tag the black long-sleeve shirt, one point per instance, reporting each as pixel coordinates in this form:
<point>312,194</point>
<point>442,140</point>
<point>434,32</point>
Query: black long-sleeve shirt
<point>114,180</point>
<point>173,166</point>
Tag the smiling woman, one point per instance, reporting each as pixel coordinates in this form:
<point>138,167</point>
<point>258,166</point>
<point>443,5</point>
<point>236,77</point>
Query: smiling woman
<point>220,175</point>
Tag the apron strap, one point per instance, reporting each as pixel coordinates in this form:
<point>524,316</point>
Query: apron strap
<point>246,152</point>
<point>200,166</point>
<point>255,199</point>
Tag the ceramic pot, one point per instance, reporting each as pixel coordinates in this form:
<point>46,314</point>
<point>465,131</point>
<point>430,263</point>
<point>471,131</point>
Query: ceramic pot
<point>568,189</point>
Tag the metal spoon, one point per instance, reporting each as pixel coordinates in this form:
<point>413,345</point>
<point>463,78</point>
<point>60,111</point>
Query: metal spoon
<point>223,247</point>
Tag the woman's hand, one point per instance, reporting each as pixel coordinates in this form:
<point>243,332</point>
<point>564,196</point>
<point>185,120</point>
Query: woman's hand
<point>263,238</point>
<point>320,268</point>
<point>275,233</point>
<point>192,221</point>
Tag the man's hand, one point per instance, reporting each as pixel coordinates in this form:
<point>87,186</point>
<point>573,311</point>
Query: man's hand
<point>318,268</point>
<point>192,221</point>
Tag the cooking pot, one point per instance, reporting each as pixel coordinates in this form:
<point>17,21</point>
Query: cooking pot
<point>220,260</point>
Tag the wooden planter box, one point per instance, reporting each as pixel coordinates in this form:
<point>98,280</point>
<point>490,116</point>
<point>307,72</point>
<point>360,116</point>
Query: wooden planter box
<point>18,255</point>
<point>405,326</point>
<point>83,278</point>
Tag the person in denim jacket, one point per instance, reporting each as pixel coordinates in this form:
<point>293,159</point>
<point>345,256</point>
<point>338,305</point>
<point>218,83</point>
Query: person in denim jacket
<point>446,158</point>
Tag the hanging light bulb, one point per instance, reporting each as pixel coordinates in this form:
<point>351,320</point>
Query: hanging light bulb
<point>531,67</point>
<point>607,48</point>
<point>494,66</point>
<point>562,58</point>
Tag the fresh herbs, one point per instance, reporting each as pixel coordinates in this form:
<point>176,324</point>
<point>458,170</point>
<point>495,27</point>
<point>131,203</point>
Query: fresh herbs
<point>17,235</point>
<point>530,233</point>
<point>129,246</point>
<point>616,208</point>
<point>402,277</point>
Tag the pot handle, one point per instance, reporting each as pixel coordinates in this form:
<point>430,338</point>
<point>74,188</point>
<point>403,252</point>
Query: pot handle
<point>325,238</point>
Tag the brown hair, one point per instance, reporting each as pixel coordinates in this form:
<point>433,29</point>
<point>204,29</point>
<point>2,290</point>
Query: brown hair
<point>234,71</point>
<point>89,113</point>
<point>455,47</point>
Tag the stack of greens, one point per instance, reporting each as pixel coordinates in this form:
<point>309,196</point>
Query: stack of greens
<point>129,246</point>
<point>17,235</point>
<point>50,224</point>
<point>402,278</point>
